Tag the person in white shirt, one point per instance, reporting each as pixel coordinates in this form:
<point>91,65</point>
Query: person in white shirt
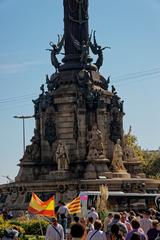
<point>107,221</point>
<point>90,225</point>
<point>54,231</point>
<point>93,214</point>
<point>97,233</point>
<point>146,222</point>
<point>62,214</point>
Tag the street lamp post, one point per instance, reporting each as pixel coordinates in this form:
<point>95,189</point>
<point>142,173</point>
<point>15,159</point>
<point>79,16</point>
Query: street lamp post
<point>23,121</point>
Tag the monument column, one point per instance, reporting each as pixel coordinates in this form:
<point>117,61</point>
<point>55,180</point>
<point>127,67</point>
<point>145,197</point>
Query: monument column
<point>75,32</point>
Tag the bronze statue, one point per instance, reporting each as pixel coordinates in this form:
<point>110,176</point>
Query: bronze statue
<point>55,51</point>
<point>97,50</point>
<point>42,89</point>
<point>83,48</point>
<point>33,151</point>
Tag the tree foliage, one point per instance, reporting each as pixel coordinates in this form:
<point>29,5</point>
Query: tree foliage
<point>150,159</point>
<point>131,142</point>
<point>152,163</point>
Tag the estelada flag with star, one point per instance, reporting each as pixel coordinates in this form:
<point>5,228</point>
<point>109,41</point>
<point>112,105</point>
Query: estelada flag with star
<point>37,206</point>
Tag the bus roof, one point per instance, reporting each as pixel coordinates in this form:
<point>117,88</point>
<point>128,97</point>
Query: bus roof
<point>119,193</point>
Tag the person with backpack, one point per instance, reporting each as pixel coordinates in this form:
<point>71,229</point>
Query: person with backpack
<point>62,214</point>
<point>97,233</point>
<point>54,231</point>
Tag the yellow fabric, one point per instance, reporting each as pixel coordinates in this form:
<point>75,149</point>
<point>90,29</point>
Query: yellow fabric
<point>39,207</point>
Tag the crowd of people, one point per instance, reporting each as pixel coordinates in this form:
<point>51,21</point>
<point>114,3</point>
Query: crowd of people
<point>116,226</point>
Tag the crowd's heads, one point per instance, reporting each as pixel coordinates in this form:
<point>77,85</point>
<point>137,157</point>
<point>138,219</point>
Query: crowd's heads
<point>110,215</point>
<point>82,221</point>
<point>152,210</point>
<point>135,223</point>
<point>132,215</point>
<point>155,223</point>
<point>135,236</point>
<point>147,212</point>
<point>90,219</point>
<point>54,220</point>
<point>61,202</point>
<point>76,219</point>
<point>77,230</point>
<point>97,225</point>
<point>115,229</point>
<point>92,209</point>
<point>117,216</point>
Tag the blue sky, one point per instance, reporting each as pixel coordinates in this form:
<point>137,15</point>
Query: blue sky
<point>130,28</point>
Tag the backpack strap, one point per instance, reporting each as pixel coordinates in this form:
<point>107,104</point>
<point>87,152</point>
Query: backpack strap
<point>56,231</point>
<point>93,234</point>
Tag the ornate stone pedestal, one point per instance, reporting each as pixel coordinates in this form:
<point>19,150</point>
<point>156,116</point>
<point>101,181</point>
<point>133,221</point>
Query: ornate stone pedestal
<point>121,174</point>
<point>58,175</point>
<point>78,126</point>
<point>135,168</point>
<point>96,169</point>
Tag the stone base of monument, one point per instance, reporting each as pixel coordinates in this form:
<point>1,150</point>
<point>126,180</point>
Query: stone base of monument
<point>121,174</point>
<point>96,169</point>
<point>59,175</point>
<point>135,168</point>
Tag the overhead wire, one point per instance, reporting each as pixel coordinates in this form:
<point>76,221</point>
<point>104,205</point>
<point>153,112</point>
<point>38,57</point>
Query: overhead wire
<point>138,73</point>
<point>136,77</point>
<point>11,99</point>
<point>119,80</point>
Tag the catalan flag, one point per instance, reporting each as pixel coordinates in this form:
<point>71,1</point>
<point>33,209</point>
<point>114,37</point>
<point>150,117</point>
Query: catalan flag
<point>74,206</point>
<point>36,206</point>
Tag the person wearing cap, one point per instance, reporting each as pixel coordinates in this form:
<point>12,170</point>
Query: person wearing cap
<point>54,231</point>
<point>93,214</point>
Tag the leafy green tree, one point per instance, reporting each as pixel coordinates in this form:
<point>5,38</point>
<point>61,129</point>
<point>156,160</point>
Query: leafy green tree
<point>150,159</point>
<point>131,142</point>
<point>152,163</point>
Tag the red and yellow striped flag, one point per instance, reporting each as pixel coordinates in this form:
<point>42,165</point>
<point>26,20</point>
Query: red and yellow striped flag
<point>74,206</point>
<point>36,206</point>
